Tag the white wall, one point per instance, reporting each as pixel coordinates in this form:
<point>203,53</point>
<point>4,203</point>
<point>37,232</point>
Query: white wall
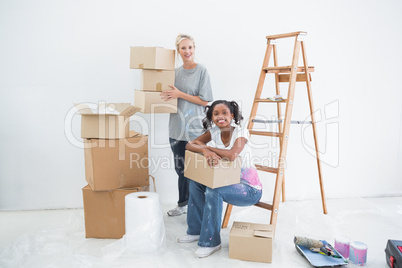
<point>54,53</point>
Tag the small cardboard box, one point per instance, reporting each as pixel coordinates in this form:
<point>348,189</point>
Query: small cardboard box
<point>225,173</point>
<point>251,242</point>
<point>156,58</point>
<point>110,121</point>
<point>152,102</point>
<point>113,164</point>
<point>104,212</point>
<point>157,80</point>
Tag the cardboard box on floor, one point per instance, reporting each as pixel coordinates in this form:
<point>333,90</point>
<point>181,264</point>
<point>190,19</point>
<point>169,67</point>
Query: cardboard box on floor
<point>156,58</point>
<point>120,163</point>
<point>157,80</point>
<point>226,173</point>
<point>105,212</point>
<point>251,242</point>
<point>110,121</point>
<point>151,102</point>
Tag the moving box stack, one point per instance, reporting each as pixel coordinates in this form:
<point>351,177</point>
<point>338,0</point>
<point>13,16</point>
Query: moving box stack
<point>158,65</point>
<point>116,164</point>
<point>116,159</point>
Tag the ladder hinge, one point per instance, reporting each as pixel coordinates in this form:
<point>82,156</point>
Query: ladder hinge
<point>272,41</point>
<point>301,37</point>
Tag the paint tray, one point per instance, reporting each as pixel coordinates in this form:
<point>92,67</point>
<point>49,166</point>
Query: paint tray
<point>319,260</point>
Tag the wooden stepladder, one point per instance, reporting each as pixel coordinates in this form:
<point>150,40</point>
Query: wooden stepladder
<point>287,74</point>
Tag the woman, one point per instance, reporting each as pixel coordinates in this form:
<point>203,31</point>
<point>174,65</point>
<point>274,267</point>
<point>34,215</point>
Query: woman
<point>192,89</point>
<point>226,140</point>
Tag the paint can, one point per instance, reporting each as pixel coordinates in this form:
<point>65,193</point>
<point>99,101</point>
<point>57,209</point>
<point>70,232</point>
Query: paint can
<point>358,253</point>
<point>342,245</point>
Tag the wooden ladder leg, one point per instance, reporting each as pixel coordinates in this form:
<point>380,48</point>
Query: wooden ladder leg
<point>279,112</point>
<point>286,128</point>
<point>310,98</point>
<point>226,218</point>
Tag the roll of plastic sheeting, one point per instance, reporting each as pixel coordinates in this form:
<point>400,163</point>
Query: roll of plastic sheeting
<point>145,230</point>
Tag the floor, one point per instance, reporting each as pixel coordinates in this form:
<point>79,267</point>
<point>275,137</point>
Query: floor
<point>56,238</point>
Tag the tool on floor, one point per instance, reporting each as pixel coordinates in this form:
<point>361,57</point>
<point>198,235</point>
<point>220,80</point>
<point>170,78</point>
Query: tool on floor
<point>393,253</point>
<point>283,74</point>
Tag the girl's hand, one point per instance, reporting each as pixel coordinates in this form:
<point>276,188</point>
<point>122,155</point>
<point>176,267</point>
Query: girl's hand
<point>212,158</point>
<point>171,94</point>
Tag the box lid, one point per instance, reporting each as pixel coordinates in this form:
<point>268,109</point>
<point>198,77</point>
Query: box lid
<point>124,109</point>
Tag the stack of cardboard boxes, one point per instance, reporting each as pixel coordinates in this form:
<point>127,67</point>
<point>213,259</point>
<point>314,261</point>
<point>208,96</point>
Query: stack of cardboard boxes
<point>116,164</point>
<point>158,65</point>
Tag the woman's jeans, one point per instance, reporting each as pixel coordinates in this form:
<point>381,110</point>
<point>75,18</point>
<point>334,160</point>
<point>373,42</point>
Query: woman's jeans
<point>178,149</point>
<point>204,213</point>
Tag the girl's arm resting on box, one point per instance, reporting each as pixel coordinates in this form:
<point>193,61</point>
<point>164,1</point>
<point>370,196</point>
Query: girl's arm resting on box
<point>232,153</point>
<point>175,94</point>
<point>199,146</point>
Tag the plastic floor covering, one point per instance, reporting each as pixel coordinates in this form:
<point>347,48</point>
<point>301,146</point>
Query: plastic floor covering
<point>56,238</point>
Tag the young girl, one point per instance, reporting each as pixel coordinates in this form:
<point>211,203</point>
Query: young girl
<point>228,141</point>
<point>192,89</point>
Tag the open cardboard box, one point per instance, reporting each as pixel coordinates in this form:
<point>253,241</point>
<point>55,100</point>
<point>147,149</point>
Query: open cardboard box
<point>157,80</point>
<point>152,102</point>
<point>110,121</point>
<point>156,58</point>
<point>121,163</point>
<point>251,242</point>
<point>105,212</point>
<point>225,173</point>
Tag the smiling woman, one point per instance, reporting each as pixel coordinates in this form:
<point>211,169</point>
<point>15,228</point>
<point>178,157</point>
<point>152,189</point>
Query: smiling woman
<point>193,90</point>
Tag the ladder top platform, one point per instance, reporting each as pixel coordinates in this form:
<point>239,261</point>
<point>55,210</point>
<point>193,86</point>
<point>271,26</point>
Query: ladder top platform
<point>286,69</point>
<point>286,35</point>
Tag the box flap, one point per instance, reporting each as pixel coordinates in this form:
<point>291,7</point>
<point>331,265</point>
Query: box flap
<point>83,108</point>
<point>133,133</point>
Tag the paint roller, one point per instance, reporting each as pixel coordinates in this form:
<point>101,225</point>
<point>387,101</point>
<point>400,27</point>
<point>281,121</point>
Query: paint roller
<point>308,242</point>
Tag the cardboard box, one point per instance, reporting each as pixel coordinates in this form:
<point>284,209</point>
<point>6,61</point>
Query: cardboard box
<point>113,164</point>
<point>225,173</point>
<point>110,121</point>
<point>105,212</point>
<point>157,80</point>
<point>152,102</point>
<point>251,242</point>
<point>156,58</point>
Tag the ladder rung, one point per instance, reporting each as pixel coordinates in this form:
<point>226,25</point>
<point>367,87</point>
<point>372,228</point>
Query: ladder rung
<point>265,133</point>
<point>299,78</point>
<point>267,169</point>
<point>286,69</point>
<point>268,100</point>
<point>277,36</point>
<point>264,205</point>
<point>280,121</point>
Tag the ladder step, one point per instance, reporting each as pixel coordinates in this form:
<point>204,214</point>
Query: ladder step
<point>265,133</point>
<point>283,78</point>
<point>286,69</point>
<point>280,121</point>
<point>264,205</point>
<point>286,35</point>
<point>268,100</point>
<point>267,169</point>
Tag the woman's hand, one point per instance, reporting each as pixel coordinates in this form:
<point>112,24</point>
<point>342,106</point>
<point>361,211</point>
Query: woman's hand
<point>171,94</point>
<point>212,158</point>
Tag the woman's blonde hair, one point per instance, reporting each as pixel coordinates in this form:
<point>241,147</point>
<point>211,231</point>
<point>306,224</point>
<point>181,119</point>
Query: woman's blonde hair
<point>181,37</point>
